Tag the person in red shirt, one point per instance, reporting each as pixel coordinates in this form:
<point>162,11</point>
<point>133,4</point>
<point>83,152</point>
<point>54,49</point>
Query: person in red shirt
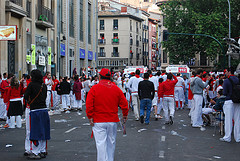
<point>14,99</point>
<point>102,105</point>
<point>168,97</point>
<point>55,96</point>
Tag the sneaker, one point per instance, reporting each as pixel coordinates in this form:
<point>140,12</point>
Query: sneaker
<point>171,120</point>
<point>6,126</point>
<point>202,128</point>
<point>67,112</point>
<point>43,155</point>
<point>26,153</point>
<point>141,119</point>
<point>160,117</point>
<point>167,123</point>
<point>223,140</point>
<point>34,156</point>
<point>156,118</point>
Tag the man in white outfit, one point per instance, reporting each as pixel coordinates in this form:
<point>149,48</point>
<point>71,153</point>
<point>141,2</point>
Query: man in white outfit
<point>197,86</point>
<point>133,86</point>
<point>48,81</point>
<point>154,79</point>
<point>230,109</point>
<point>179,91</point>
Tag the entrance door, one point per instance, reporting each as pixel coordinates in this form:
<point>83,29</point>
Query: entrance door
<point>11,57</point>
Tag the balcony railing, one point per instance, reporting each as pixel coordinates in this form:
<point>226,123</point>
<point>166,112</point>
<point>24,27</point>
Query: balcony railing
<point>45,17</point>
<point>115,41</point>
<point>102,41</point>
<point>131,41</point>
<point>15,7</point>
<point>18,2</point>
<point>28,8</point>
<point>102,54</point>
<point>137,42</point>
<point>115,54</point>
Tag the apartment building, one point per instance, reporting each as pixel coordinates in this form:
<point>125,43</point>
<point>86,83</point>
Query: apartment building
<point>119,38</point>
<point>52,35</point>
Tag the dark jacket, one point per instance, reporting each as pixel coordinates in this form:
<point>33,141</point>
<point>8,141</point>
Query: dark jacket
<point>65,87</point>
<point>219,103</point>
<point>227,87</point>
<point>32,91</point>
<point>146,90</point>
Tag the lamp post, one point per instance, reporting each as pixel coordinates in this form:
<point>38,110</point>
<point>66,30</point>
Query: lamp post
<point>229,35</point>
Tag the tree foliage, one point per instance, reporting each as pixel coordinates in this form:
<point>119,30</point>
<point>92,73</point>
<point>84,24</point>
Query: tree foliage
<point>208,17</point>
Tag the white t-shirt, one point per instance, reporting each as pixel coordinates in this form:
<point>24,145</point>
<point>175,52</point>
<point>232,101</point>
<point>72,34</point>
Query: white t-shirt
<point>180,82</point>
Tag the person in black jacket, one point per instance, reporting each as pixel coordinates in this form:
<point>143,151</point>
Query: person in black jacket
<point>146,93</point>
<point>65,89</point>
<point>35,96</point>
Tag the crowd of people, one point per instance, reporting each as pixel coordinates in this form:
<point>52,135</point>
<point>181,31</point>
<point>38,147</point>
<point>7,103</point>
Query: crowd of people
<point>203,93</point>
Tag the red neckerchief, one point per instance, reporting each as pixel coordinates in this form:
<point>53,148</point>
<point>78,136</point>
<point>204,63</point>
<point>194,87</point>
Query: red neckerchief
<point>150,75</point>
<point>137,76</point>
<point>163,74</point>
<point>230,75</point>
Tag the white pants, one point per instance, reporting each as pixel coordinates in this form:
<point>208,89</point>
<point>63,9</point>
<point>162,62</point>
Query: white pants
<point>160,106</point>
<point>12,120</point>
<point>83,95</point>
<point>77,103</point>
<point>168,104</point>
<point>71,97</point>
<point>231,111</point>
<point>48,100</point>
<point>27,141</point>
<point>155,99</point>
<point>179,94</point>
<point>2,109</point>
<point>65,101</point>
<point>135,104</point>
<point>105,138</point>
<point>56,99</point>
<point>197,111</point>
<point>41,148</point>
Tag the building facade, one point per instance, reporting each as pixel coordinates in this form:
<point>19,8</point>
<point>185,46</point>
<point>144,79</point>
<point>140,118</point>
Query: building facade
<point>50,36</point>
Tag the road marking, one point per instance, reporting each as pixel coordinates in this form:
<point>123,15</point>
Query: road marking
<point>70,130</point>
<point>161,154</point>
<point>163,138</point>
<point>163,127</point>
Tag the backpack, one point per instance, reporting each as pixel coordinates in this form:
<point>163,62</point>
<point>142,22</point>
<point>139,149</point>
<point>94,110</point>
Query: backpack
<point>235,91</point>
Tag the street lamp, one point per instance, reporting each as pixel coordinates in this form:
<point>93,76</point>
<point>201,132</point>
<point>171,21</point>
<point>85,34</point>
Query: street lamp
<point>229,35</point>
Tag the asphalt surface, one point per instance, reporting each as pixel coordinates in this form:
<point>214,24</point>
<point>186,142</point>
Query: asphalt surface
<point>70,141</point>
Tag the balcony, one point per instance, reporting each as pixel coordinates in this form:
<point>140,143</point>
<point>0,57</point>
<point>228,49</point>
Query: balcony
<point>45,17</point>
<point>131,55</point>
<point>102,54</point>
<point>115,41</point>
<point>115,54</point>
<point>15,7</point>
<point>28,8</point>
<point>137,42</point>
<point>131,41</point>
<point>101,41</point>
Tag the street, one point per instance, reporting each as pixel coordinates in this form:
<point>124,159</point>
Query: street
<point>71,140</point>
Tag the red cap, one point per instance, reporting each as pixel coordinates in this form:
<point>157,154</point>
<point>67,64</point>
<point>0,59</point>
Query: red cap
<point>204,72</point>
<point>105,72</point>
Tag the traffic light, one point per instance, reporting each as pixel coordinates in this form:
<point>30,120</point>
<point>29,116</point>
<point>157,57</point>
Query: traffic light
<point>165,35</point>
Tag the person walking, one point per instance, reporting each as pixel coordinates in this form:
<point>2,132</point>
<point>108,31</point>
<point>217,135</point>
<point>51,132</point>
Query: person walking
<point>197,86</point>
<point>146,92</point>
<point>231,109</point>
<point>77,87</point>
<point>48,81</point>
<point>133,86</point>
<point>102,105</point>
<point>179,91</point>
<point>36,95</point>
<point>168,97</point>
<point>65,89</point>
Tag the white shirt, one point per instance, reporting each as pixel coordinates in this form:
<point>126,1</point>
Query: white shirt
<point>154,79</point>
<point>180,82</point>
<point>133,84</point>
<point>49,84</point>
<point>94,82</point>
<point>186,83</point>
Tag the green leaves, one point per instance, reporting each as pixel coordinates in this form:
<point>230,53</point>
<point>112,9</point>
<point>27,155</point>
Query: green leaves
<point>208,17</point>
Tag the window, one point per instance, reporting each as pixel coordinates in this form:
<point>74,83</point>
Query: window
<point>61,16</point>
<point>101,24</point>
<point>137,27</point>
<point>130,25</point>
<point>115,24</point>
<point>28,9</point>
<point>102,36</point>
<point>115,49</point>
<point>89,23</point>
<point>71,19</point>
<point>81,20</point>
<point>115,35</point>
<point>102,50</point>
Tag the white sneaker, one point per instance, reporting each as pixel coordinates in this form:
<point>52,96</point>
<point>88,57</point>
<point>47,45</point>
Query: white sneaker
<point>223,140</point>
<point>202,128</point>
<point>67,112</point>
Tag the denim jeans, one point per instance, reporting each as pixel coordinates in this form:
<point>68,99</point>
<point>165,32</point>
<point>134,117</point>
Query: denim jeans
<point>186,96</point>
<point>145,103</point>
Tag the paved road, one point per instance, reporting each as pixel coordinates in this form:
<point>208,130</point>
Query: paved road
<point>71,141</point>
